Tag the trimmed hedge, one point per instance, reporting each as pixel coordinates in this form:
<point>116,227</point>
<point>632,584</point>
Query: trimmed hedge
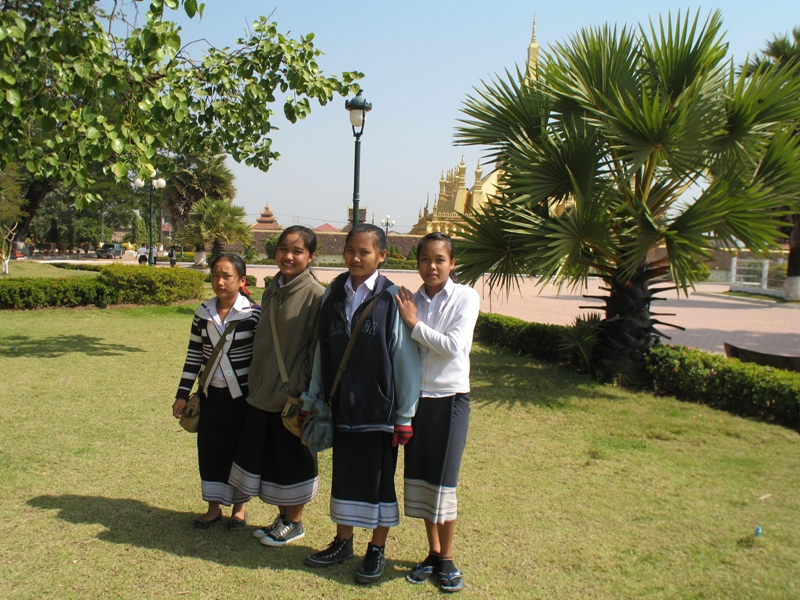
<point>146,285</point>
<point>116,284</point>
<point>532,339</point>
<point>23,293</point>
<point>744,389</point>
<point>77,266</point>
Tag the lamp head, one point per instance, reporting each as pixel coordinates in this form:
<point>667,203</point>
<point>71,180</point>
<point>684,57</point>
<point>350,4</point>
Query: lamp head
<point>358,108</point>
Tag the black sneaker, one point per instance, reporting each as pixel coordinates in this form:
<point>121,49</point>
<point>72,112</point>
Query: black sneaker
<point>373,565</point>
<point>338,551</point>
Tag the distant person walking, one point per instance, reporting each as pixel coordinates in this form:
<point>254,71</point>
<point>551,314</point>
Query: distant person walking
<point>142,254</point>
<point>173,256</point>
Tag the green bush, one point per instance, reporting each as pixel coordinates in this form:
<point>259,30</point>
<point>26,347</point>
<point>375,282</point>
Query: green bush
<point>146,285</point>
<point>76,266</point>
<point>545,342</point>
<point>44,292</point>
<point>744,389</point>
<point>400,263</point>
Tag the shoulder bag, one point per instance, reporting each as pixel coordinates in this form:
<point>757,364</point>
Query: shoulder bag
<point>190,417</point>
<point>293,405</point>
<point>318,426</point>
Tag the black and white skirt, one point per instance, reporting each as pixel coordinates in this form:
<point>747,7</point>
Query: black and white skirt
<point>362,487</point>
<point>433,458</point>
<point>221,420</point>
<point>272,463</point>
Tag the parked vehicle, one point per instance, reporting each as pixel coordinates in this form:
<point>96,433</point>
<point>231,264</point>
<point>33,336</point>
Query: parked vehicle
<point>110,251</point>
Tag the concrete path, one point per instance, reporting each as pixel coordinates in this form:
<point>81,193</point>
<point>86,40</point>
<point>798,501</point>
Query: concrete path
<point>709,317</point>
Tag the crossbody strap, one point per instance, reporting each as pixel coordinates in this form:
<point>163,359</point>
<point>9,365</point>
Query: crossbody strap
<point>349,348</point>
<point>278,354</point>
<point>212,360</point>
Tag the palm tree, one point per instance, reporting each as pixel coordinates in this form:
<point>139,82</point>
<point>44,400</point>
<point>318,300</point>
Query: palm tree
<point>783,51</point>
<point>197,177</point>
<point>215,222</point>
<point>621,143</point>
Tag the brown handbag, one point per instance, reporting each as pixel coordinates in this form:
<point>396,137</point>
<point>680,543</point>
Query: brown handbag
<point>190,417</point>
<point>293,405</point>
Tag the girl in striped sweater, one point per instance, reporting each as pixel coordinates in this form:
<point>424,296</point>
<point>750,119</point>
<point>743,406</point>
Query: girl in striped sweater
<point>223,404</point>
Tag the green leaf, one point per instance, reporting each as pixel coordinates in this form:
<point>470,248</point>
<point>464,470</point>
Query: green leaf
<point>190,6</point>
<point>117,145</point>
<point>13,97</point>
<point>119,169</point>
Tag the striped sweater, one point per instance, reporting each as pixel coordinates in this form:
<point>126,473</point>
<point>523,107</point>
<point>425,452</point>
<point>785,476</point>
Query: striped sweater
<point>236,354</point>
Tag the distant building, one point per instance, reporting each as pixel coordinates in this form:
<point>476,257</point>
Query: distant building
<point>266,221</point>
<point>325,228</point>
<point>362,217</point>
<point>454,198</point>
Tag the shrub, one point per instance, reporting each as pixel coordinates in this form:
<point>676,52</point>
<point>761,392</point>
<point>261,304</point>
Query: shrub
<point>545,342</point>
<point>400,263</point>
<point>744,389</point>
<point>146,285</point>
<point>44,292</point>
<point>76,266</point>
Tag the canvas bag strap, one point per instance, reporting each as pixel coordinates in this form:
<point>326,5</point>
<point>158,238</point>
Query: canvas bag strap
<point>212,360</point>
<point>349,348</point>
<point>278,354</point>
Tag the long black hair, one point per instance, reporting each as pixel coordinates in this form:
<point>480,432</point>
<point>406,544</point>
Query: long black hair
<point>237,262</point>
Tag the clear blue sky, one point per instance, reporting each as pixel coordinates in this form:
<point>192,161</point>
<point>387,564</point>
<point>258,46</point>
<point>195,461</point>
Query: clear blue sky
<point>420,60</point>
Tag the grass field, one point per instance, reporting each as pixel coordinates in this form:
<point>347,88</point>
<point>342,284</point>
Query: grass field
<point>568,489</point>
<point>29,268</point>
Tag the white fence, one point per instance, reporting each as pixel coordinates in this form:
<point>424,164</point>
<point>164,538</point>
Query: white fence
<point>758,276</point>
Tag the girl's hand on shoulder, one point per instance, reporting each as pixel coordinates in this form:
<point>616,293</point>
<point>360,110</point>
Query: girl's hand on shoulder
<point>407,307</point>
<point>177,407</point>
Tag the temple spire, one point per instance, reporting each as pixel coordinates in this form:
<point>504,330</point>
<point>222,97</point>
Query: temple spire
<point>533,53</point>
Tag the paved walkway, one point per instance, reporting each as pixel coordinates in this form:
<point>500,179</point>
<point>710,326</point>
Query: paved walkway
<point>709,317</point>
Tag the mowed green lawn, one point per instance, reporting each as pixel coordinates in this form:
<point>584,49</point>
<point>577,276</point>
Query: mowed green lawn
<point>569,489</point>
<point>30,268</point>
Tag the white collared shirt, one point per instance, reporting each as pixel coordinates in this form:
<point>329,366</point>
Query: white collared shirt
<point>355,298</point>
<point>218,379</point>
<point>444,334</point>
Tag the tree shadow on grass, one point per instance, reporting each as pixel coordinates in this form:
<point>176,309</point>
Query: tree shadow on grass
<point>136,523</point>
<point>501,378</point>
<point>53,347</point>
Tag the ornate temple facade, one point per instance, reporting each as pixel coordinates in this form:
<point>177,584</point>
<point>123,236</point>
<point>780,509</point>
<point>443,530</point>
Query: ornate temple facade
<point>454,198</point>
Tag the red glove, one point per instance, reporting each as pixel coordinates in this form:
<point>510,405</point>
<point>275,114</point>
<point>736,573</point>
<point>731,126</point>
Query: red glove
<point>402,435</point>
<point>301,418</point>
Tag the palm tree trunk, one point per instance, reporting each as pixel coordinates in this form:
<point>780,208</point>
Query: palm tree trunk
<point>628,330</point>
<point>216,250</point>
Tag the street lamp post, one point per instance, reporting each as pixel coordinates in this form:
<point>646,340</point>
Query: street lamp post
<point>154,183</point>
<point>387,222</point>
<point>358,108</point>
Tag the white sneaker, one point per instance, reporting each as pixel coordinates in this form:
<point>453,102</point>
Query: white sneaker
<point>283,534</point>
<point>262,531</point>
